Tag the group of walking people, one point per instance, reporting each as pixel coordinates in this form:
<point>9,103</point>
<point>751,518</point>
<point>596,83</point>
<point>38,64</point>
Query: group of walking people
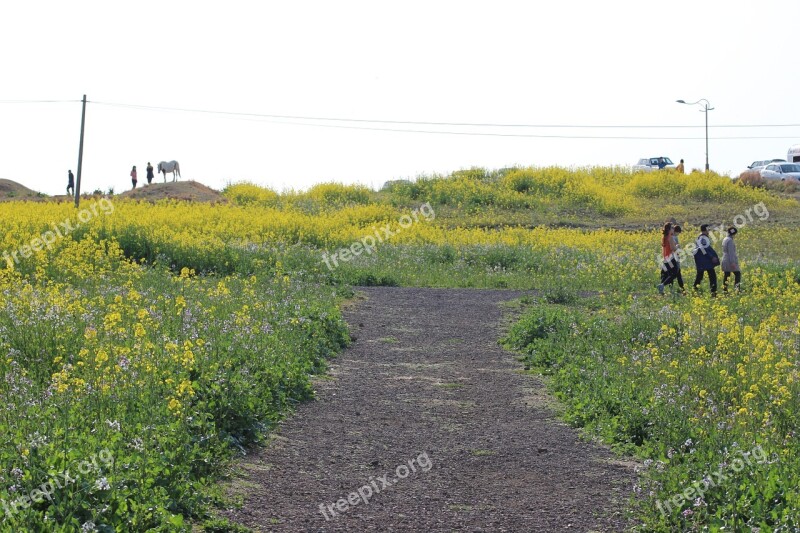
<point>150,175</point>
<point>706,259</point>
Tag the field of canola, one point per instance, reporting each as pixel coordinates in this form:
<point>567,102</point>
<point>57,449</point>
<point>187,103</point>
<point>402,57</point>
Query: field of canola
<point>141,345</point>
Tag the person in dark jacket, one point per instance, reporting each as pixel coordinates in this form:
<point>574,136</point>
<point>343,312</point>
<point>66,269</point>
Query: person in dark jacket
<point>150,174</point>
<point>70,183</point>
<point>706,260</point>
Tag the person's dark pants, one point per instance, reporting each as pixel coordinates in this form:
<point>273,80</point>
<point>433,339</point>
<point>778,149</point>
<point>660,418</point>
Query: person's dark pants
<point>670,272</point>
<point>737,279</point>
<point>678,276</point>
<point>667,272</point>
<point>712,279</point>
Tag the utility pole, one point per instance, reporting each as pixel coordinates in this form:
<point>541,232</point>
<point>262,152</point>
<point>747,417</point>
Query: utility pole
<point>706,108</point>
<point>80,156</point>
<point>706,112</point>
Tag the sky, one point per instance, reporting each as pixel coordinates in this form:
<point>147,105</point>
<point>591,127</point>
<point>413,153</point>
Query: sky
<point>237,66</point>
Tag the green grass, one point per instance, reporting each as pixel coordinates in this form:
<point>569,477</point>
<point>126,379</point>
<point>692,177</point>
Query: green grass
<point>648,376</point>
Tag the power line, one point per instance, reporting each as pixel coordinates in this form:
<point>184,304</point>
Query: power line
<point>430,123</point>
<point>37,101</point>
<point>523,135</point>
<point>267,118</point>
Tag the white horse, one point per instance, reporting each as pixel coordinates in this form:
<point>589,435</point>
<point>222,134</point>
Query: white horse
<point>169,166</point>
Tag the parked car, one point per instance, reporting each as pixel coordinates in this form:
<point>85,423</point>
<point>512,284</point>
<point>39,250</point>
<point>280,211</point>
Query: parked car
<point>648,164</point>
<point>781,171</point>
<point>758,165</point>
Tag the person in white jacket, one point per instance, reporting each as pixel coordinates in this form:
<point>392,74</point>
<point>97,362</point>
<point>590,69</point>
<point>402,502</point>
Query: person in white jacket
<point>730,261</point>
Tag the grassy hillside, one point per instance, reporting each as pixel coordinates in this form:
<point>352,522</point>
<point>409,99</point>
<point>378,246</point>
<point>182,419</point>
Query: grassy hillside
<point>163,336</point>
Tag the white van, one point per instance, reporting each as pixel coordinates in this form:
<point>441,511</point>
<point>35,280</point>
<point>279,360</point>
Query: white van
<point>793,156</point>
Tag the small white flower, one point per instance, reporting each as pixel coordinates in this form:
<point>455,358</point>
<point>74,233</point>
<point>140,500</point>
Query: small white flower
<point>102,484</point>
<point>113,424</point>
<point>89,526</point>
<point>699,502</point>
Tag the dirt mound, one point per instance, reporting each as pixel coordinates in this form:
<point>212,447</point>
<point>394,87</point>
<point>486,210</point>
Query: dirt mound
<point>179,190</point>
<point>11,190</point>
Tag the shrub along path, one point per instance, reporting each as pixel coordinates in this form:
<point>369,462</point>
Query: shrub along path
<point>437,427</point>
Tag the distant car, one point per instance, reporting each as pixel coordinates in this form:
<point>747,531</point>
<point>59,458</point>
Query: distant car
<point>758,165</point>
<point>781,171</point>
<point>649,164</point>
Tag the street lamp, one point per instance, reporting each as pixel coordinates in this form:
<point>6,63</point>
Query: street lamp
<point>706,108</point>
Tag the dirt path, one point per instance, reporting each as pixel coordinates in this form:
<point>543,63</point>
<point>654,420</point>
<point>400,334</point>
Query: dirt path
<point>433,422</point>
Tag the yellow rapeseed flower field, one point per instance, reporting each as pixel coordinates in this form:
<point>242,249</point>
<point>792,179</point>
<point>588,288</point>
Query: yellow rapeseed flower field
<point>166,332</point>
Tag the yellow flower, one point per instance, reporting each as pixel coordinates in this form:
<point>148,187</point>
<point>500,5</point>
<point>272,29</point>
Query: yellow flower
<point>101,357</point>
<point>185,388</point>
<point>111,320</point>
<point>180,305</point>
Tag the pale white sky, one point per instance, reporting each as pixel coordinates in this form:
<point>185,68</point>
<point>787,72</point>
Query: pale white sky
<point>567,62</point>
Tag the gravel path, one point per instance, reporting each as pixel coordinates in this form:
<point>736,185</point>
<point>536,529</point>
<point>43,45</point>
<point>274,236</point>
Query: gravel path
<point>437,428</point>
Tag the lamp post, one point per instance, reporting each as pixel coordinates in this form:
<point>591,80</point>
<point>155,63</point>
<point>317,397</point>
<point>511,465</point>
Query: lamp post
<point>706,108</point>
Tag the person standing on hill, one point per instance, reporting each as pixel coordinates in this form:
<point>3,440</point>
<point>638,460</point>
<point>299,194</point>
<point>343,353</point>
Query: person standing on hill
<point>706,260</point>
<point>150,174</point>
<point>680,167</point>
<point>133,176</point>
<point>730,261</point>
<point>70,183</point>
